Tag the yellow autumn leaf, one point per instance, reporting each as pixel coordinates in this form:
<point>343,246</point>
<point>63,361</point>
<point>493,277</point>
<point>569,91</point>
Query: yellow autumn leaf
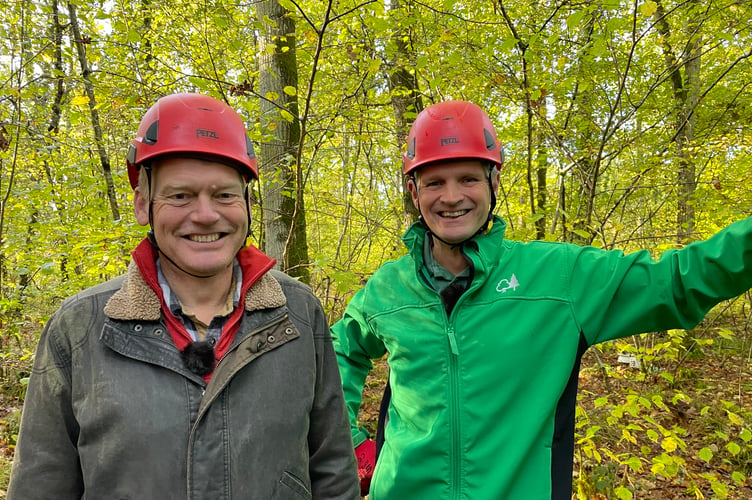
<point>80,100</point>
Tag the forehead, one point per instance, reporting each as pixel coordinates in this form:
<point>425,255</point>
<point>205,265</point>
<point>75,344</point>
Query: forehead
<point>453,168</point>
<point>195,171</point>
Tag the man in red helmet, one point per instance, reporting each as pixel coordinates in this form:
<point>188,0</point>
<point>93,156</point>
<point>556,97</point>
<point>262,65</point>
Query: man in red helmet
<point>202,373</point>
<point>484,335</point>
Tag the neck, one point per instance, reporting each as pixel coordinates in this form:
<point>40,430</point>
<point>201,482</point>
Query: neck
<point>205,297</point>
<point>449,257</point>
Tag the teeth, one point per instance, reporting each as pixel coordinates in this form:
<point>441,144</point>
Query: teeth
<point>204,238</point>
<point>454,214</point>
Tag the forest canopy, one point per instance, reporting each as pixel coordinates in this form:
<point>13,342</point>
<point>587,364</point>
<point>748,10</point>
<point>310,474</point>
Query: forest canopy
<point>625,125</point>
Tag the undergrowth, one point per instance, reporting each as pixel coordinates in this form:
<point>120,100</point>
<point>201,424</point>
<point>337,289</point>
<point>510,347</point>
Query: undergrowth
<point>673,421</point>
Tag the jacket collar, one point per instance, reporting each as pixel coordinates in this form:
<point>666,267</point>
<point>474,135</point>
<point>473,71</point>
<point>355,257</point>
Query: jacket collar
<point>137,300</point>
<point>487,244</point>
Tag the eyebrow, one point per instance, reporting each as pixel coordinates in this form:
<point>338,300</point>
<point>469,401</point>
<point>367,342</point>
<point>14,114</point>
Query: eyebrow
<point>187,185</point>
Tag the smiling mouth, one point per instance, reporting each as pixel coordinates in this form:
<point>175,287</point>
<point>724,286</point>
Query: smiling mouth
<point>454,215</point>
<point>204,238</point>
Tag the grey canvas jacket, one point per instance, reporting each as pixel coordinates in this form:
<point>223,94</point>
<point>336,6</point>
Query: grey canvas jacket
<point>111,412</point>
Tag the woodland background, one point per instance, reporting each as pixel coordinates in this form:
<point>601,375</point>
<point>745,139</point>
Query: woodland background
<point>625,124</point>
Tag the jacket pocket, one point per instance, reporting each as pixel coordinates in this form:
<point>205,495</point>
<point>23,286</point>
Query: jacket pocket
<point>290,485</point>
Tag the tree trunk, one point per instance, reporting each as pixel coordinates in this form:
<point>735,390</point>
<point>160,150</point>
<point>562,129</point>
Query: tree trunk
<point>94,112</point>
<point>54,127</point>
<point>537,160</point>
<point>587,165</point>
<point>686,91</point>
<point>405,97</point>
<point>283,202</point>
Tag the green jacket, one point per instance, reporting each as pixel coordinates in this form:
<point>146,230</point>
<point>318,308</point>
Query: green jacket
<point>483,400</point>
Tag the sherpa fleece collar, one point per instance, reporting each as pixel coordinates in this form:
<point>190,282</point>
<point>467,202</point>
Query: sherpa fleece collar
<point>137,301</point>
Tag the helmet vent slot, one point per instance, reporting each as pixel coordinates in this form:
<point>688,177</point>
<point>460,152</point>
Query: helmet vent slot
<point>152,134</point>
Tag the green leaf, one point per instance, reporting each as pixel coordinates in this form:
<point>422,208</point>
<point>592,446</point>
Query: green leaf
<point>705,454</point>
<point>374,65</point>
<point>733,448</point>
<point>508,44</point>
<point>288,5</point>
<point>220,21</point>
<point>725,333</point>
<point>735,418</point>
<point>634,463</point>
<point>48,268</point>
<point>581,233</point>
<point>623,493</point>
<point>745,435</point>
<point>648,8</point>
<point>719,489</point>
<point>574,19</point>
<point>287,116</point>
<point>133,36</point>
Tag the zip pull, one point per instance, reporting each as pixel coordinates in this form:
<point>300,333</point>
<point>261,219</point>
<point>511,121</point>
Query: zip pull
<point>453,342</point>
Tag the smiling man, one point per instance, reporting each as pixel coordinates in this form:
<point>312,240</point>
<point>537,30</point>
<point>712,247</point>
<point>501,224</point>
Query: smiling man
<point>200,374</point>
<point>484,335</point>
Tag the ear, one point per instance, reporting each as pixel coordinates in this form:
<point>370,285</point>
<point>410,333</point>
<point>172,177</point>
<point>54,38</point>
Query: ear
<point>141,207</point>
<point>249,196</point>
<point>495,180</point>
<point>413,188</point>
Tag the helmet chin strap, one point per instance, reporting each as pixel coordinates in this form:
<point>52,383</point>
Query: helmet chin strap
<point>153,241</point>
<point>482,229</point>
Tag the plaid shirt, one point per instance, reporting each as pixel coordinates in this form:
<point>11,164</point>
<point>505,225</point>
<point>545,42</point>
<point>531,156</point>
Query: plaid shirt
<point>195,327</point>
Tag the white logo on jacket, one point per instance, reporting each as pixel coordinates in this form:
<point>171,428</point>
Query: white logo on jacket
<point>507,284</point>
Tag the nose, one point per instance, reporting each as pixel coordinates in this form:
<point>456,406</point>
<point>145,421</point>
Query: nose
<point>205,211</point>
<point>452,193</point>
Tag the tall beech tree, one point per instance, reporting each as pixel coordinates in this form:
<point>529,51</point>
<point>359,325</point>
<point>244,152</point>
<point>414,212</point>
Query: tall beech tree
<point>283,201</point>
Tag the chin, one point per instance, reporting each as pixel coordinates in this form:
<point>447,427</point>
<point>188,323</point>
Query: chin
<point>202,269</point>
<point>453,239</point>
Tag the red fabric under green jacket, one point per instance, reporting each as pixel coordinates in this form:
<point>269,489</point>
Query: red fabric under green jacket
<point>483,400</point>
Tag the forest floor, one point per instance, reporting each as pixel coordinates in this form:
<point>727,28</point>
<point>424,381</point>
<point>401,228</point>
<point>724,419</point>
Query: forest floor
<point>698,419</point>
<point>616,454</point>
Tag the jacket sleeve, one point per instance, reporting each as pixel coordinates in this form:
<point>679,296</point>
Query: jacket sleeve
<point>332,460</point>
<point>46,463</point>
<point>616,295</point>
<point>355,346</point>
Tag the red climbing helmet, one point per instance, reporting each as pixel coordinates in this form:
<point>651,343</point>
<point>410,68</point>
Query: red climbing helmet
<point>451,130</point>
<point>192,125</point>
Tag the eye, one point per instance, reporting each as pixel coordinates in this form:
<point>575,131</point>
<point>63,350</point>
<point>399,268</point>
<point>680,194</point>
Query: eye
<point>177,198</point>
<point>227,196</point>
<point>470,180</point>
